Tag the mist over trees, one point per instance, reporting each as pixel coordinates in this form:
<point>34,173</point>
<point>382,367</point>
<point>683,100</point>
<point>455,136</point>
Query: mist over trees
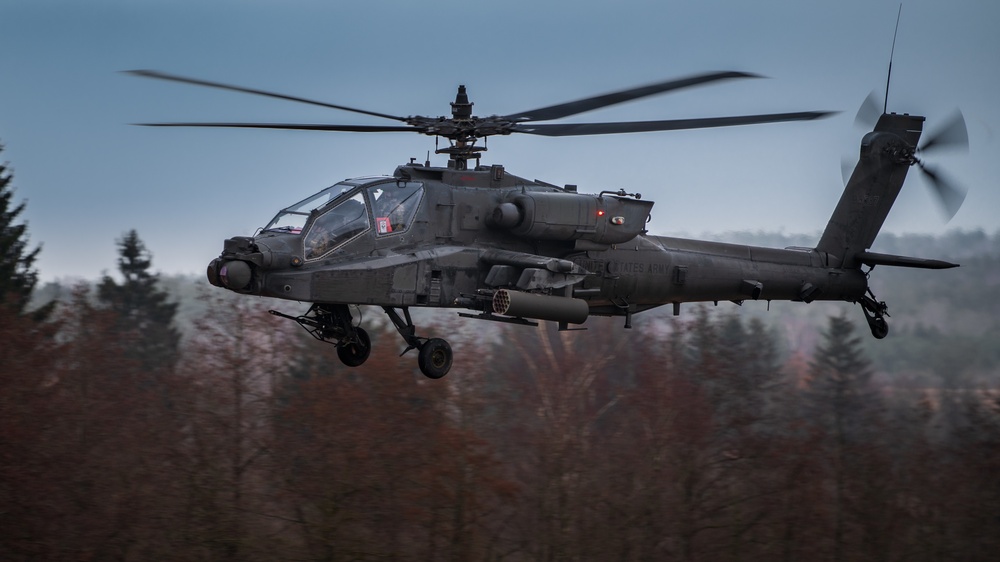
<point>149,417</point>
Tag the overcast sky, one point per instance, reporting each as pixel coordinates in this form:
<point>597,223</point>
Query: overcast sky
<point>89,176</point>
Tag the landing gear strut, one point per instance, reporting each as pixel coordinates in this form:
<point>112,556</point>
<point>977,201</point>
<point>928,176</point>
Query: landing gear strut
<point>435,355</point>
<point>875,312</point>
<point>333,323</point>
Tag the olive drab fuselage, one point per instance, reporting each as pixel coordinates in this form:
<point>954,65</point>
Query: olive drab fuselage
<point>513,250</point>
<point>474,232</point>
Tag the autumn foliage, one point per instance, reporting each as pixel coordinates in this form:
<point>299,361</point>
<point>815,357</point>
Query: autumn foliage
<point>688,439</point>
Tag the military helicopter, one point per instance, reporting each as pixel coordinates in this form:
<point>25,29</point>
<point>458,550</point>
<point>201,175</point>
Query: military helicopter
<point>508,249</point>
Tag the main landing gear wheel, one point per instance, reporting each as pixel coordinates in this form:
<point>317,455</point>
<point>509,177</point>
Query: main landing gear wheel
<point>435,358</point>
<point>435,355</point>
<point>355,351</point>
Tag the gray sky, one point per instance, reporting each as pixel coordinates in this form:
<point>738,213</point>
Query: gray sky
<point>89,176</point>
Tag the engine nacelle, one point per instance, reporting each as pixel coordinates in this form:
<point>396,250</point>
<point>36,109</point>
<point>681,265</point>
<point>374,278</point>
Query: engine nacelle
<point>572,216</point>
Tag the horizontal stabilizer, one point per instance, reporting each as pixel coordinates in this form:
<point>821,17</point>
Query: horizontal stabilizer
<point>872,259</point>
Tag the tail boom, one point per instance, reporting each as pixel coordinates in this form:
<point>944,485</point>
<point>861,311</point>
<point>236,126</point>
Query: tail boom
<point>886,156</point>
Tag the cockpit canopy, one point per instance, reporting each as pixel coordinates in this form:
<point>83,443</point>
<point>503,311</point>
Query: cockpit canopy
<point>339,213</point>
<point>293,219</point>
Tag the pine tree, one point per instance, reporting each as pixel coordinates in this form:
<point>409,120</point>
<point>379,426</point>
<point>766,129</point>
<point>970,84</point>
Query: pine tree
<point>839,391</point>
<point>145,317</point>
<point>843,405</point>
<point>17,276</point>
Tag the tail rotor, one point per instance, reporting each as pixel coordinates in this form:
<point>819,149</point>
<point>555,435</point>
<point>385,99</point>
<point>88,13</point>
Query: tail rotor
<point>951,136</point>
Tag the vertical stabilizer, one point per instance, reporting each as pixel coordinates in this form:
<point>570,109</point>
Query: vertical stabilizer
<point>886,155</point>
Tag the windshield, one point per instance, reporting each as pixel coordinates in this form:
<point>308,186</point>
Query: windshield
<point>394,205</point>
<point>293,218</point>
<point>336,226</point>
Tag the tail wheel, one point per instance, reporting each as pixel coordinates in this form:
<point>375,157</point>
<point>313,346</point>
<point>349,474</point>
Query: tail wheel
<point>355,351</point>
<point>880,328</point>
<point>435,358</point>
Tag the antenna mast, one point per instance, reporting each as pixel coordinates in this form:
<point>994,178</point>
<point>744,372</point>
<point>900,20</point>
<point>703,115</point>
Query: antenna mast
<point>885,105</point>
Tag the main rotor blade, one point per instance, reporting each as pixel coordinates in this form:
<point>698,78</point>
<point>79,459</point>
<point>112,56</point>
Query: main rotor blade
<point>950,195</point>
<point>184,80</point>
<point>577,129</point>
<point>579,106</point>
<point>295,126</point>
<point>952,135</point>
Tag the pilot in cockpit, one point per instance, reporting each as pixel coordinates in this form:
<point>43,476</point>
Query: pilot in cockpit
<point>335,227</point>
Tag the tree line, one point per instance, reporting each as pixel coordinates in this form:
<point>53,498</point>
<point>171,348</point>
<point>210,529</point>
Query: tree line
<point>691,438</point>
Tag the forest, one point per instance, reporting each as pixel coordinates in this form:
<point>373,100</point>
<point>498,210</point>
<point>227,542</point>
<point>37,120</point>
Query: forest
<point>141,423</point>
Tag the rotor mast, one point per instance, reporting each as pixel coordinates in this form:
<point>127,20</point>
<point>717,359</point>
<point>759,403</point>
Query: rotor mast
<point>463,137</point>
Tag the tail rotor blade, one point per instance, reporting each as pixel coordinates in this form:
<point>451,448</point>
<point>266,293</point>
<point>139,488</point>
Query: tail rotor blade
<point>869,112</point>
<point>846,169</point>
<point>953,135</point>
<point>949,194</point>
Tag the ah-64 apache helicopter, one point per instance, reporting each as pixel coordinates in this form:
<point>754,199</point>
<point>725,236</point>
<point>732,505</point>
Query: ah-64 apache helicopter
<point>513,250</point>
